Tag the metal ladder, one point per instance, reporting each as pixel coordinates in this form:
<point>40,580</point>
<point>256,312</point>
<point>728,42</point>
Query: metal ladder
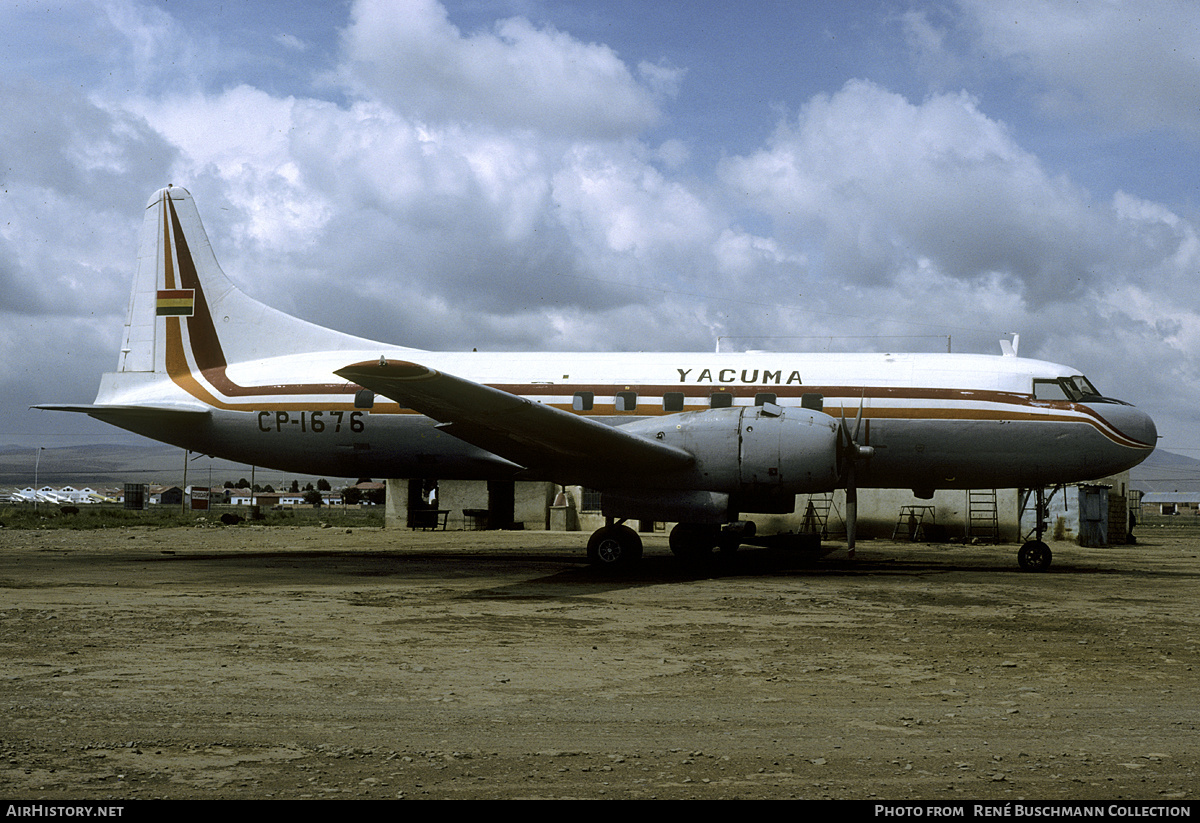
<point>816,515</point>
<point>983,518</point>
<point>911,523</point>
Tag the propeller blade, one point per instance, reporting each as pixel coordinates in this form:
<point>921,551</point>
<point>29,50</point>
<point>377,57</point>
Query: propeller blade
<point>851,511</point>
<point>849,453</point>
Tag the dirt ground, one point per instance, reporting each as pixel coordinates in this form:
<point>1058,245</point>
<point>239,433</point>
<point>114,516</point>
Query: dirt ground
<point>252,662</point>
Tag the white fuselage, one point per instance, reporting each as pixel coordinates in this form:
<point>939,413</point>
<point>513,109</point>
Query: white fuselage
<point>933,420</point>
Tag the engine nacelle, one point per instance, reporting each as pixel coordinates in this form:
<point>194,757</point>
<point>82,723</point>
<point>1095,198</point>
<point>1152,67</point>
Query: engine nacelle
<point>752,452</point>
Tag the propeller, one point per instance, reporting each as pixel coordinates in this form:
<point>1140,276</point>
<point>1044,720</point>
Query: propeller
<point>849,453</point>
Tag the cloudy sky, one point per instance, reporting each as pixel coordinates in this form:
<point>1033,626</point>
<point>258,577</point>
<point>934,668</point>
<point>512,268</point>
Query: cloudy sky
<point>617,175</point>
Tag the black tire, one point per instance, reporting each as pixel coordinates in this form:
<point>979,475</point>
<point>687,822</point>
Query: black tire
<point>1034,556</point>
<point>614,547</point>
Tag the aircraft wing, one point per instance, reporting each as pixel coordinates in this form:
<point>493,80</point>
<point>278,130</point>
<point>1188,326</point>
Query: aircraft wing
<point>530,434</point>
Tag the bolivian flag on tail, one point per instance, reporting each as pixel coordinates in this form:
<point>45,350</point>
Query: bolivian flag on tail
<point>176,302</point>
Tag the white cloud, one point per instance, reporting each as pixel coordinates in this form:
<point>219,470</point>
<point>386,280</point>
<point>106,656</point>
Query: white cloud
<point>291,42</point>
<point>880,182</point>
<point>515,76</point>
<point>738,253</point>
<point>1136,63</point>
<point>928,44</point>
<point>620,205</point>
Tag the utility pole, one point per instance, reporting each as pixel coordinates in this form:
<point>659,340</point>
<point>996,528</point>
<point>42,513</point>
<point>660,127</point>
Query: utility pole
<point>36,462</point>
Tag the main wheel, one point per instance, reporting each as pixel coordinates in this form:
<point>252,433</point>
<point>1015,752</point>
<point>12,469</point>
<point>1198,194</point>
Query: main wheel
<point>614,547</point>
<point>1034,556</point>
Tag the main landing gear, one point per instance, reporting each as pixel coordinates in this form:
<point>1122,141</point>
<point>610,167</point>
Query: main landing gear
<point>695,541</point>
<point>1035,555</point>
<point>614,546</point>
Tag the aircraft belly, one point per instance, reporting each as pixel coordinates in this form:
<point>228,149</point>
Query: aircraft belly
<point>366,445</point>
<point>908,453</point>
<point>965,454</point>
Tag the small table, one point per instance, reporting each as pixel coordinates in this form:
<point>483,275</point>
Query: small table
<point>476,519</point>
<point>426,519</point>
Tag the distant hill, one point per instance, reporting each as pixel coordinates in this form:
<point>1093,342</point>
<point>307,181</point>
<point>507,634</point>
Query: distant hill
<point>1166,471</point>
<point>118,464</point>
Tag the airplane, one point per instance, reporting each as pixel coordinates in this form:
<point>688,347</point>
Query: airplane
<point>691,438</point>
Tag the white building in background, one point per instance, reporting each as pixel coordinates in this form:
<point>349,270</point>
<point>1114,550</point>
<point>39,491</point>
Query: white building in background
<point>67,495</point>
<point>84,495</point>
<point>245,497</point>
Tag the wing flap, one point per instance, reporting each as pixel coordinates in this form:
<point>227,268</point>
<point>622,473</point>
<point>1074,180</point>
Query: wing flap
<point>534,435</point>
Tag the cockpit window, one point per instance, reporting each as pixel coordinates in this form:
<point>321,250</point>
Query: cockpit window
<point>1085,387</point>
<point>1076,389</point>
<point>1049,390</point>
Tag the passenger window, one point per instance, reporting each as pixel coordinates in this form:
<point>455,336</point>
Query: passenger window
<point>583,401</point>
<point>673,401</point>
<point>720,400</point>
<point>762,398</point>
<point>626,401</point>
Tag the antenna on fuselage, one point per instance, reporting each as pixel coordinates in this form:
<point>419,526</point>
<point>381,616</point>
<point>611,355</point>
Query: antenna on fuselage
<point>1009,347</point>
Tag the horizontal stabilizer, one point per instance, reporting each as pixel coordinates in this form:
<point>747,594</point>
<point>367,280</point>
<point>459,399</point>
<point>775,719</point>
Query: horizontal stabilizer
<point>111,414</point>
<point>531,434</point>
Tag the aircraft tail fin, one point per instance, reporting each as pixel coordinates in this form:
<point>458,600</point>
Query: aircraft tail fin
<point>184,312</point>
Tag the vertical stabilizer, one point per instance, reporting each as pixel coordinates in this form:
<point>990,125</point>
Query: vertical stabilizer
<point>141,348</point>
<point>186,315</point>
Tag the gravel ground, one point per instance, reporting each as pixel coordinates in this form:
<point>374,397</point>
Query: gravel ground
<point>252,662</point>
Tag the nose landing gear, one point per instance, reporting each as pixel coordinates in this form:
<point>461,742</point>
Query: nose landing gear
<point>1035,555</point>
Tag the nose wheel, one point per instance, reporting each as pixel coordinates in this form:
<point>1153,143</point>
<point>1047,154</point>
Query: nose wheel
<point>1034,556</point>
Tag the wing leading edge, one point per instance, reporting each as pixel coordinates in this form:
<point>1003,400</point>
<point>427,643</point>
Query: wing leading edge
<point>542,438</point>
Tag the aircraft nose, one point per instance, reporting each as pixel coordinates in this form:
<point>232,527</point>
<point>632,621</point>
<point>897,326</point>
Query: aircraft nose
<point>1133,424</point>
